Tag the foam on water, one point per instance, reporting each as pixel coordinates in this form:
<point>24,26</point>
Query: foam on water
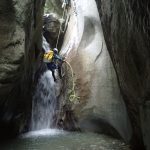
<point>43,133</point>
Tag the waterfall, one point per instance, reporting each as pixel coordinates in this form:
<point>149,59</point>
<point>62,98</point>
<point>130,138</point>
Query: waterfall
<point>44,103</point>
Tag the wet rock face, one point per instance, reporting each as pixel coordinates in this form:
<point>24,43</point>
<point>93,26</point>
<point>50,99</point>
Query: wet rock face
<point>54,9</point>
<point>127,34</point>
<point>20,46</point>
<point>11,45</point>
<point>101,107</point>
<point>51,29</point>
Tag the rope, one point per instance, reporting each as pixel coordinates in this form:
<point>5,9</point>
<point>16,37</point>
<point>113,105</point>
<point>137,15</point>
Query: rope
<point>72,96</point>
<point>60,26</point>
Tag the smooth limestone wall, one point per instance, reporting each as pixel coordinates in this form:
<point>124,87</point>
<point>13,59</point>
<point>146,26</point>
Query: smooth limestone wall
<point>96,83</point>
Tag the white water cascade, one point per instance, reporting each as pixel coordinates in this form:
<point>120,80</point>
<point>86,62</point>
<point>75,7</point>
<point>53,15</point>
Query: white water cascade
<point>44,103</point>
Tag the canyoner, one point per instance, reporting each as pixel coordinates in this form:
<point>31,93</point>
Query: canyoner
<point>53,61</point>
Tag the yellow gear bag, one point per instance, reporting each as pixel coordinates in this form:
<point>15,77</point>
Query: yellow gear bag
<point>49,56</point>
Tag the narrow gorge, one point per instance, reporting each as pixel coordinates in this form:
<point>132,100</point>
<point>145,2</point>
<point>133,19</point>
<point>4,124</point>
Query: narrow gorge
<point>101,102</point>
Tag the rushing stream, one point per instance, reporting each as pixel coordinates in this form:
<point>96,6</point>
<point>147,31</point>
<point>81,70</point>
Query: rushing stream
<point>59,140</point>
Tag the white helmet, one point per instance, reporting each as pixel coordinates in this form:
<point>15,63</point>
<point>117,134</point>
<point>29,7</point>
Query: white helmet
<point>55,50</point>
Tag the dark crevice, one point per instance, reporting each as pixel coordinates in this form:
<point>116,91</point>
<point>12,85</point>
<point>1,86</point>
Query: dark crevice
<point>13,44</point>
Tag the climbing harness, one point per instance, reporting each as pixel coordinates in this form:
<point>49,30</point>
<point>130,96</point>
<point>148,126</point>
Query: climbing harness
<point>60,26</point>
<point>73,95</point>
